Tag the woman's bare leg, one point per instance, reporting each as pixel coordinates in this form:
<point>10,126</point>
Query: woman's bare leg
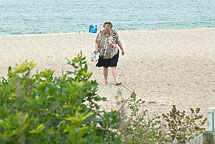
<point>105,72</point>
<point>115,75</point>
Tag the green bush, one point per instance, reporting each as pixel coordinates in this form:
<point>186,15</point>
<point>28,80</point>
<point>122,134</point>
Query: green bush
<point>174,126</point>
<point>182,127</point>
<point>139,128</point>
<point>40,108</point>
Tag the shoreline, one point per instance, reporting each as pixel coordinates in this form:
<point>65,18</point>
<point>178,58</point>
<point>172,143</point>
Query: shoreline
<point>62,33</point>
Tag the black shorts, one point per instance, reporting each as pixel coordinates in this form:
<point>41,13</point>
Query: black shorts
<point>108,62</point>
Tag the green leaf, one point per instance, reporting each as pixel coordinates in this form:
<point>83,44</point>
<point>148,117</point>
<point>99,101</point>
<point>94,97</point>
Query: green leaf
<point>38,129</point>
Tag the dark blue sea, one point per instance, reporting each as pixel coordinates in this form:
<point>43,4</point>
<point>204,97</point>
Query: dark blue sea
<point>53,16</point>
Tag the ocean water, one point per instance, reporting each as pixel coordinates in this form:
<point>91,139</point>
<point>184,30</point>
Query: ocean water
<point>53,16</point>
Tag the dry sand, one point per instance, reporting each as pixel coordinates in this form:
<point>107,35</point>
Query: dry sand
<point>164,67</point>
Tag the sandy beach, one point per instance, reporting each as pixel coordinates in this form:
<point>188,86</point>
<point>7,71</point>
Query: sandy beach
<point>164,67</point>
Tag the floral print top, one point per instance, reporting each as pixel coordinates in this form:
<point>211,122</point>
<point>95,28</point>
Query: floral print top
<point>107,43</point>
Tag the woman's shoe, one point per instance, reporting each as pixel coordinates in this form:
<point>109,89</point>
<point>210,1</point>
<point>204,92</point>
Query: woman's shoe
<point>119,83</point>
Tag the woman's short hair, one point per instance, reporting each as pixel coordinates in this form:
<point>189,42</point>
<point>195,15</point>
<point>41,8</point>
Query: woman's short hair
<point>108,22</point>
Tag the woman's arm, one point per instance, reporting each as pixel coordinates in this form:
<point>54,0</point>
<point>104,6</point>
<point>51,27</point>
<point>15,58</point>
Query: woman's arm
<point>96,48</point>
<point>97,42</point>
<point>120,45</point>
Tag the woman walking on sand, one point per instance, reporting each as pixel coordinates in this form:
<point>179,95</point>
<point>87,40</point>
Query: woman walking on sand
<point>106,44</point>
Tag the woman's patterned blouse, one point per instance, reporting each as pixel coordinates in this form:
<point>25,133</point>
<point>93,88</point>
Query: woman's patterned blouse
<point>107,43</point>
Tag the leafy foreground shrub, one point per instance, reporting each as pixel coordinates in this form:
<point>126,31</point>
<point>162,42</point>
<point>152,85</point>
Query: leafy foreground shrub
<point>184,127</point>
<point>38,108</point>
<point>139,128</point>
<point>173,127</point>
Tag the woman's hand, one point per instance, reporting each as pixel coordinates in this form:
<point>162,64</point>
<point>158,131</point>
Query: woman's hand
<point>96,51</point>
<point>120,45</point>
<point>123,52</point>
